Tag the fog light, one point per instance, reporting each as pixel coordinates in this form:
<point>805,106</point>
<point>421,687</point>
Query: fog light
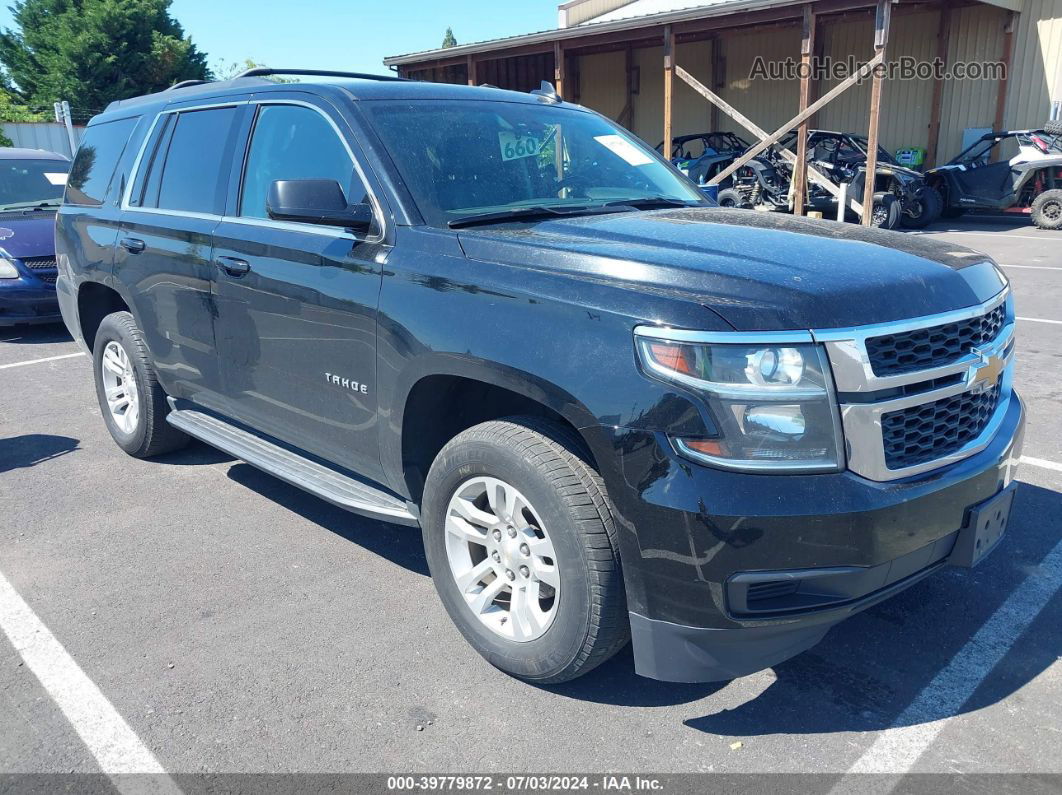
<point>786,420</point>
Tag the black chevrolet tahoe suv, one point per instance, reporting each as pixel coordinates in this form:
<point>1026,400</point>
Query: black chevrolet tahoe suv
<point>616,411</point>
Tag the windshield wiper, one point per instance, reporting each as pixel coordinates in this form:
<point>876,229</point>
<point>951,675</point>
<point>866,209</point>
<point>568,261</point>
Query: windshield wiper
<point>650,202</point>
<point>32,205</point>
<point>531,212</point>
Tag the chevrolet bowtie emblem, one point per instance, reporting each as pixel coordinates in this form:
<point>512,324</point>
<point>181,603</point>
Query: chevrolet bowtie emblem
<point>986,372</point>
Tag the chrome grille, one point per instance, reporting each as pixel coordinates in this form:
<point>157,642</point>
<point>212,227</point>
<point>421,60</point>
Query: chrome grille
<point>920,394</point>
<point>930,431</point>
<point>920,349</point>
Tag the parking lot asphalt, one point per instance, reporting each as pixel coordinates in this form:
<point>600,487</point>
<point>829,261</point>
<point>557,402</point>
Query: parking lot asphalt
<point>237,624</point>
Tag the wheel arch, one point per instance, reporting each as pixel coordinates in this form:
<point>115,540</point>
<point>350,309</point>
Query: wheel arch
<point>96,300</point>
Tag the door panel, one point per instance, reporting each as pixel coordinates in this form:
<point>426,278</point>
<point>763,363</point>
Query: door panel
<point>296,337</point>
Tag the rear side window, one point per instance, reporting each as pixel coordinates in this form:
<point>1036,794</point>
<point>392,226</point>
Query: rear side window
<point>294,142</point>
<point>96,160</point>
<point>187,166</point>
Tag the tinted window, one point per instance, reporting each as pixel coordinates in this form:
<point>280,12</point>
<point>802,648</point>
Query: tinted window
<point>31,183</point>
<point>293,142</point>
<point>96,160</point>
<point>195,163</point>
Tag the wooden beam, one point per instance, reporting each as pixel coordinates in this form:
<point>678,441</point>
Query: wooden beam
<point>669,83</point>
<point>882,23</point>
<point>813,108</point>
<point>755,129</point>
<point>800,170</point>
<point>1001,92</point>
<point>558,68</point>
<point>943,40</point>
<point>470,68</point>
<point>626,117</point>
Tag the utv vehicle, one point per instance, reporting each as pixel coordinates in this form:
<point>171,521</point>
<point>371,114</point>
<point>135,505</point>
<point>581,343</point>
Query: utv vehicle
<point>703,155</point>
<point>766,183</point>
<point>844,156</point>
<point>1026,177</point>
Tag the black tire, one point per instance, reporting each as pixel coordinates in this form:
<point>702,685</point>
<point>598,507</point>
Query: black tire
<point>731,198</point>
<point>1047,210</point>
<point>545,463</point>
<point>151,435</point>
<point>886,212</point>
<point>1053,127</point>
<point>923,210</point>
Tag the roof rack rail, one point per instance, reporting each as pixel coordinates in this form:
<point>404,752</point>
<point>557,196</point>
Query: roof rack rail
<point>186,83</point>
<point>263,71</point>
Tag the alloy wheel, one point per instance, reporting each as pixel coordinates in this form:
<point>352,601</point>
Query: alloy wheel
<point>502,559</point>
<point>119,385</point>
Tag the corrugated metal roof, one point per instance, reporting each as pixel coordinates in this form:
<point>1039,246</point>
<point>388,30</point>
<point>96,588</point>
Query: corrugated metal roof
<point>645,8</point>
<point>711,8</point>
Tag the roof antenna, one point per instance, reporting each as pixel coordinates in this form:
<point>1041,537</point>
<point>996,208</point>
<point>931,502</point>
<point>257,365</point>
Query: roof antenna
<point>547,92</point>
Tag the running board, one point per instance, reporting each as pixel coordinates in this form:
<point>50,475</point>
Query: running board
<point>326,483</point>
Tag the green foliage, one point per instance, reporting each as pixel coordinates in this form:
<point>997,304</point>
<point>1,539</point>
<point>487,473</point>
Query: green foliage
<point>91,52</point>
<point>226,71</point>
<point>12,111</point>
<point>448,39</point>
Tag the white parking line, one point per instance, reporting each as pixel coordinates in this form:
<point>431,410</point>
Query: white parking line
<point>1041,320</point>
<point>41,361</point>
<point>1033,236</point>
<point>115,746</point>
<point>1040,462</point>
<point>1034,267</point>
<point>898,748</point>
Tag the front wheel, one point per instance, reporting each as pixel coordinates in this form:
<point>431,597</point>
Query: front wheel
<point>924,209</point>
<point>521,545</point>
<point>133,404</point>
<point>731,198</point>
<point>886,212</point>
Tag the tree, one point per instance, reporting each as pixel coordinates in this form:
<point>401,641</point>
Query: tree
<point>12,111</point>
<point>91,52</point>
<point>227,71</point>
<point>448,39</point>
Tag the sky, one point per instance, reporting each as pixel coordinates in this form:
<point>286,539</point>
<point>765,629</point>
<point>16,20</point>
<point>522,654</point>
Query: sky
<point>351,35</point>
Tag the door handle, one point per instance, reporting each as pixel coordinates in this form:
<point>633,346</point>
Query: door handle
<point>232,265</point>
<point>132,245</point>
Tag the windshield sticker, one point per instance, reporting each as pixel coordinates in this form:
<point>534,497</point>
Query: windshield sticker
<point>55,177</point>
<point>5,233</point>
<point>513,147</point>
<point>625,149</point>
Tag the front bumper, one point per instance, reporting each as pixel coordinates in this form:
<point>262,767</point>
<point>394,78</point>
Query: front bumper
<point>28,301</point>
<point>705,537</point>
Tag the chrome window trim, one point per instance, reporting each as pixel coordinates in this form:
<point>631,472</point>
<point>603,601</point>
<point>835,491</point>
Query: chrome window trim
<point>845,349</point>
<point>316,229</point>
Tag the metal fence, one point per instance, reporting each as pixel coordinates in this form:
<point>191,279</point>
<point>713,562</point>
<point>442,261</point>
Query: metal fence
<point>42,135</point>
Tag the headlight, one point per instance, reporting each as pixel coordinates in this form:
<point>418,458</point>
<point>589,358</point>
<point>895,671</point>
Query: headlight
<point>772,403</point>
<point>8,269</point>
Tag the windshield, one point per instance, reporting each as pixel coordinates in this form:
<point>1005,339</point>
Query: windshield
<point>26,184</point>
<point>462,159</point>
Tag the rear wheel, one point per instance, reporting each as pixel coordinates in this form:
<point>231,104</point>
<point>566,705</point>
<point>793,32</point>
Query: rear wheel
<point>923,210</point>
<point>521,545</point>
<point>133,404</point>
<point>1053,127</point>
<point>731,198</point>
<point>1047,210</point>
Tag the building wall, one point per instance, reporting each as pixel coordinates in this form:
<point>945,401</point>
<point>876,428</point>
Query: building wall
<point>603,84</point>
<point>768,103</point>
<point>1036,72</point>
<point>41,135</point>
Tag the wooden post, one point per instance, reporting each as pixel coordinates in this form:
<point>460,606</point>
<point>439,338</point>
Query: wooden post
<point>943,37</point>
<point>626,117</point>
<point>470,67</point>
<point>558,68</point>
<point>1001,92</point>
<point>881,39</point>
<point>800,171</point>
<point>669,81</point>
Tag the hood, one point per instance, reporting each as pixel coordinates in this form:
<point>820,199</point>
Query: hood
<point>759,271</point>
<point>30,234</point>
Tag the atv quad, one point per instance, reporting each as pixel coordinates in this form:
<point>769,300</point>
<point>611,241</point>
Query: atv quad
<point>703,155</point>
<point>1014,171</point>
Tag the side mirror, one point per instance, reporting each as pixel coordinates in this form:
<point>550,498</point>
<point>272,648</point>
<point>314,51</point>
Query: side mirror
<point>316,201</point>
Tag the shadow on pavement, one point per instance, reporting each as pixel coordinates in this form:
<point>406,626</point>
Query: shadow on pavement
<point>869,668</point>
<point>398,544</point>
<point>987,223</point>
<point>17,452</point>
<point>35,335</point>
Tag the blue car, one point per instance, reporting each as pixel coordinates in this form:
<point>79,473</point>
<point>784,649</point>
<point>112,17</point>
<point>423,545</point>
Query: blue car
<point>31,188</point>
